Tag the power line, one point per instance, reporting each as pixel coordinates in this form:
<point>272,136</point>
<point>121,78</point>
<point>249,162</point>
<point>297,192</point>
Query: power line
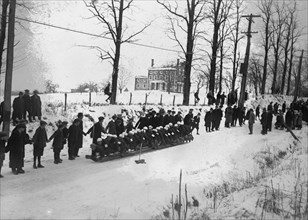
<point>93,35</point>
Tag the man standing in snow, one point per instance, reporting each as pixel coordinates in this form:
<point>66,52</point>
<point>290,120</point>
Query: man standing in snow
<point>196,122</point>
<point>36,105</point>
<point>111,126</point>
<point>80,134</point>
<point>73,139</point>
<point>18,108</point>
<point>264,121</point>
<point>258,112</point>
<point>269,120</point>
<point>284,105</point>
<point>251,121</point>
<point>188,120</point>
<point>208,120</point>
<point>228,116</point>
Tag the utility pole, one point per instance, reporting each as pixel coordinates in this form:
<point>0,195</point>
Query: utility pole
<point>9,68</point>
<point>298,78</point>
<point>244,66</point>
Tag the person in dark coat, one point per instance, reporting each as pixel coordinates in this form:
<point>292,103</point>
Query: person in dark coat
<point>39,143</point>
<point>264,121</point>
<point>251,121</point>
<point>269,120</point>
<point>178,117</point>
<point>167,118</point>
<point>228,116</point>
<point>258,112</point>
<point>270,107</point>
<point>36,105</point>
<point>119,125</point>
<point>284,105</point>
<point>111,126</point>
<point>208,120</point>
<point>16,146</point>
<point>279,120</point>
<point>142,122</point>
<point>18,108</point>
<point>65,132</point>
<point>73,139</point>
<point>188,120</point>
<point>234,116</point>
<point>218,98</point>
<point>196,122</point>
<point>218,116</point>
<point>172,118</point>
<point>80,135</point>
<point>57,144</point>
<point>276,106</point>
<point>27,105</point>
<point>3,138</point>
<point>129,125</point>
<point>107,92</point>
<point>289,118</point>
<point>222,98</point>
<point>96,130</point>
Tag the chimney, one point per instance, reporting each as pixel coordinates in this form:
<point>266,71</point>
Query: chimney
<point>152,62</point>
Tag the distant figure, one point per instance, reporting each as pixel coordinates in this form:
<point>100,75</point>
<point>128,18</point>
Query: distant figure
<point>107,92</point>
<point>36,105</point>
<point>264,121</point>
<point>196,122</point>
<point>251,121</point>
<point>222,98</point>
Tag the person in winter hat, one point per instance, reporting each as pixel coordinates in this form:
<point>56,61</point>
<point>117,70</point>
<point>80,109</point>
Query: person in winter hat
<point>57,144</point>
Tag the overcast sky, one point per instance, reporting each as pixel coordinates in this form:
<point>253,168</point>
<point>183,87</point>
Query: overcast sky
<point>49,53</point>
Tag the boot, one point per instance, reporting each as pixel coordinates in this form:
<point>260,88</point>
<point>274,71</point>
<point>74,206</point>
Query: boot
<point>20,170</point>
<point>34,163</point>
<point>14,170</point>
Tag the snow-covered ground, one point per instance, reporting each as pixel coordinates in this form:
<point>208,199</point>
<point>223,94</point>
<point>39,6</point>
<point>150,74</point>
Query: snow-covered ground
<point>122,189</point>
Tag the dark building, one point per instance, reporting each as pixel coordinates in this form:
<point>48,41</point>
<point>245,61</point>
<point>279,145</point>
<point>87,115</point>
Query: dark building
<point>141,83</point>
<point>169,78</point>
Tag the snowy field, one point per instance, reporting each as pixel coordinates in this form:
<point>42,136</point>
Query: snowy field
<point>246,173</point>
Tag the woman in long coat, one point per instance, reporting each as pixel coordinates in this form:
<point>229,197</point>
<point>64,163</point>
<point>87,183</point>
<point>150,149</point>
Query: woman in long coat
<point>16,146</point>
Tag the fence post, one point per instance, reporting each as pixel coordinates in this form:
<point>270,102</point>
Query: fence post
<point>65,101</point>
<point>130,98</point>
<point>89,98</point>
<point>161,99</point>
<point>146,98</point>
<point>173,100</point>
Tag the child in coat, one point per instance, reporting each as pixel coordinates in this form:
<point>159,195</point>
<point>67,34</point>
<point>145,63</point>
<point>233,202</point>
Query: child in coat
<point>58,141</point>
<point>39,143</point>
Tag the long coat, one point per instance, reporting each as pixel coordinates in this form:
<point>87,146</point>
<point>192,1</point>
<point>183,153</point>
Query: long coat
<point>80,135</point>
<point>72,136</point>
<point>57,143</point>
<point>27,102</point>
<point>96,131</point>
<point>36,105</point>
<point>208,119</point>
<point>111,127</point>
<point>16,147</point>
<point>18,107</point>
<point>39,141</point>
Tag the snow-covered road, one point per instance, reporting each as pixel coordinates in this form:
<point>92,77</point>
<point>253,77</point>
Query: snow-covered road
<point>82,189</point>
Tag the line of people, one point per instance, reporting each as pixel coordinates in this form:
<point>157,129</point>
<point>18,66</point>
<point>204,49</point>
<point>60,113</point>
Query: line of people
<point>24,105</point>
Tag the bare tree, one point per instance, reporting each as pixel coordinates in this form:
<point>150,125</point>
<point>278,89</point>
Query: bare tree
<point>187,22</point>
<point>218,12</point>
<point>278,23</point>
<point>295,34</point>
<point>110,14</point>
<point>236,38</point>
<point>5,4</point>
<point>254,73</point>
<point>266,8</point>
<point>51,87</point>
<point>199,79</point>
<point>124,77</point>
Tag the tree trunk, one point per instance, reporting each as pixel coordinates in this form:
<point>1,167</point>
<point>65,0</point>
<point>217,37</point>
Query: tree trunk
<point>117,56</point>
<point>5,4</point>
<point>221,66</point>
<point>189,54</point>
<point>285,64</point>
<point>290,68</point>
<point>213,59</point>
<point>266,49</point>
<point>9,68</point>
